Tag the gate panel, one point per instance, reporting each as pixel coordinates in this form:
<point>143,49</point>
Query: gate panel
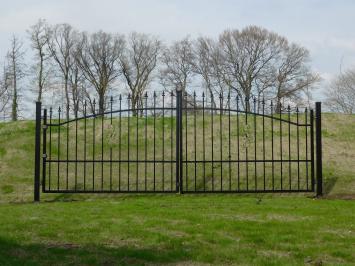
<point>234,145</point>
<point>131,149</point>
<point>179,143</point>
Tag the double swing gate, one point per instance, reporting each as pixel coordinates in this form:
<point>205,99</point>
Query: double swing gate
<point>179,143</point>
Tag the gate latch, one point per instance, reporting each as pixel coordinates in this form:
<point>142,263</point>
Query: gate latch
<point>44,155</point>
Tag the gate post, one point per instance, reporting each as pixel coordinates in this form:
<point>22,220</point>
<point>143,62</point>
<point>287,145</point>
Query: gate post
<point>179,141</point>
<point>44,149</point>
<point>37,153</point>
<point>319,149</point>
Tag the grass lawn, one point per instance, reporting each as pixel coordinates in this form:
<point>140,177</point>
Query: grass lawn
<point>183,230</point>
<point>178,229</point>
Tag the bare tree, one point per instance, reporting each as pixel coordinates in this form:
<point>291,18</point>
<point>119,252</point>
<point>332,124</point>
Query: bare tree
<point>138,62</point>
<point>77,81</point>
<point>16,73</point>
<point>61,40</point>
<point>4,89</point>
<point>204,63</point>
<point>38,38</point>
<point>98,61</point>
<point>293,75</point>
<point>208,64</point>
<point>178,69</point>
<point>77,85</point>
<point>247,58</point>
<point>341,93</point>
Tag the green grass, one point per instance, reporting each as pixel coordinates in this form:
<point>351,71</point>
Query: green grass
<point>177,229</point>
<point>185,230</point>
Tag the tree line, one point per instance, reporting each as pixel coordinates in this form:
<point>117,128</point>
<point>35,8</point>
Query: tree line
<point>82,66</point>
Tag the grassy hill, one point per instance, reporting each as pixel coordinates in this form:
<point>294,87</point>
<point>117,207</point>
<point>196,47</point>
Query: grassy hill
<point>177,229</point>
<point>17,156</point>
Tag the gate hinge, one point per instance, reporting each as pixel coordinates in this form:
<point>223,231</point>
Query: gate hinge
<point>44,127</point>
<point>44,155</point>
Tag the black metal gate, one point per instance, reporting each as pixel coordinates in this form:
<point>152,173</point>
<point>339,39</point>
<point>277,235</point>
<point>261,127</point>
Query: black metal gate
<point>177,142</point>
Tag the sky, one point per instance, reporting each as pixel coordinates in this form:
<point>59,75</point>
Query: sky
<point>325,27</point>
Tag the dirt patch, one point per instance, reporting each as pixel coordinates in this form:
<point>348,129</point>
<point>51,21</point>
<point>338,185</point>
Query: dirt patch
<point>167,232</point>
<point>274,253</point>
<point>63,245</point>
<point>341,196</point>
<point>18,253</point>
<point>287,218</point>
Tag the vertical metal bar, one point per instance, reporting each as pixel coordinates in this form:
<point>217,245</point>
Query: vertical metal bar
<point>37,153</point>
<point>58,136</point>
<point>203,141</point>
<point>195,145</point>
<point>171,139</point>
<point>306,121</point>
<point>76,152</point>
<point>120,142</point>
<point>212,164</point>
<point>238,142</point>
<point>163,144</point>
<point>111,141</point>
<point>181,154</point>
<point>255,170</point>
<point>186,164</point>
<point>298,149</point>
<point>128,141</point>
<point>145,140</point>
<point>93,147</point>
<point>44,147</point>
<point>263,107</point>
<point>154,149</point>
<point>281,166</point>
<point>246,140</point>
<point>272,147</point>
<point>312,147</point>
<point>319,148</point>
<point>220,138</point>
<point>137,149</point>
<point>289,146</point>
<point>85,145</point>
<point>177,149</point>
<point>229,140</point>
<point>178,141</point>
<point>50,148</point>
<point>67,149</point>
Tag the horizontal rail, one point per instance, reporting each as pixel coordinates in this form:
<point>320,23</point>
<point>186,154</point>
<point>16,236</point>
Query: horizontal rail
<point>173,161</point>
<point>185,191</point>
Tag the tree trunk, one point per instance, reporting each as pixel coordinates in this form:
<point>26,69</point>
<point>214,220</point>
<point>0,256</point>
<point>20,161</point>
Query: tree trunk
<point>40,81</point>
<point>14,115</point>
<point>278,101</point>
<point>66,94</point>
<point>101,102</point>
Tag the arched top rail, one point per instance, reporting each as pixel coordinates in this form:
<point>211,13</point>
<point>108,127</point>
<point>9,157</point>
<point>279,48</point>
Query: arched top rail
<point>211,103</point>
<point>275,116</point>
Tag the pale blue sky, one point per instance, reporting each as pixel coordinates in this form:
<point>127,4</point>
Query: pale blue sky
<point>325,27</point>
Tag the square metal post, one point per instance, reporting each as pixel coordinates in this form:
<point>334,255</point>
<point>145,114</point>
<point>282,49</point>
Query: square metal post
<point>44,149</point>
<point>319,149</point>
<point>179,141</point>
<point>37,153</point>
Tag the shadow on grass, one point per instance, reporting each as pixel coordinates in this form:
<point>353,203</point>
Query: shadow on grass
<point>13,253</point>
<point>328,184</point>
